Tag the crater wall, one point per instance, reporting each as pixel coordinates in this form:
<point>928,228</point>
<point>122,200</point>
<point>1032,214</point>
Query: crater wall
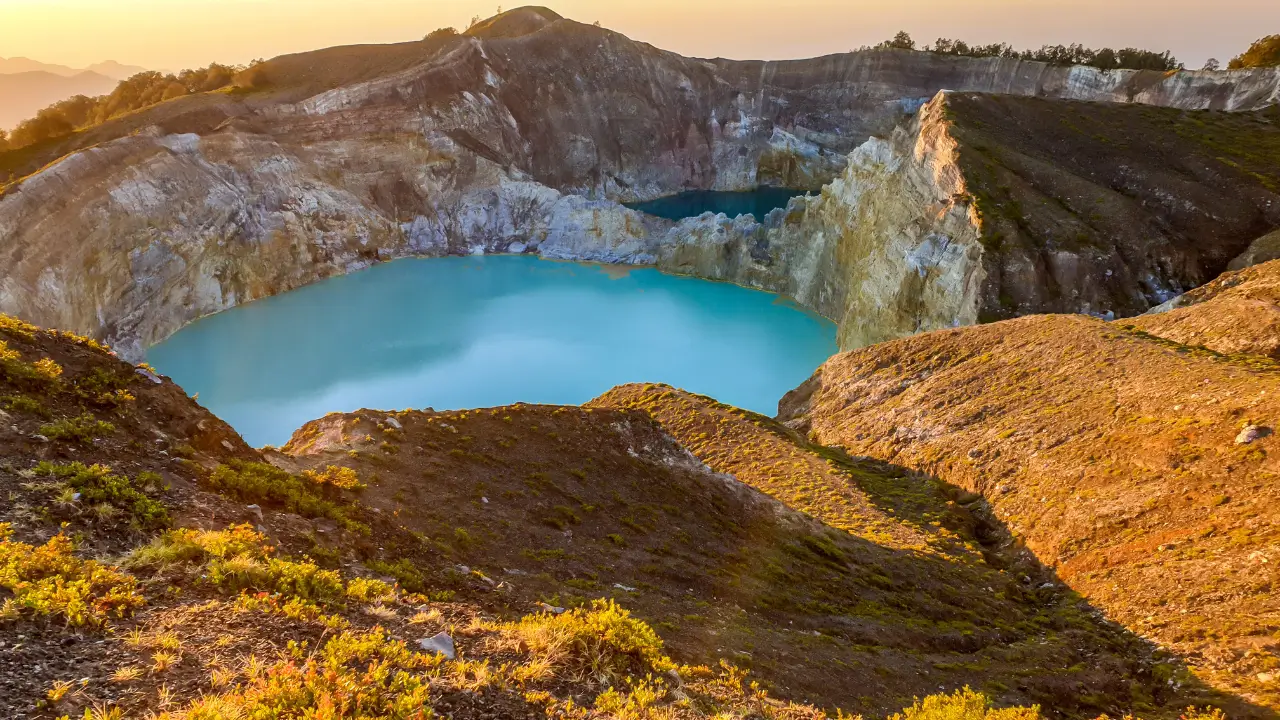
<point>527,141</point>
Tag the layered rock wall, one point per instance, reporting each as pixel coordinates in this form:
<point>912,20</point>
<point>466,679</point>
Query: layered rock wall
<point>889,248</point>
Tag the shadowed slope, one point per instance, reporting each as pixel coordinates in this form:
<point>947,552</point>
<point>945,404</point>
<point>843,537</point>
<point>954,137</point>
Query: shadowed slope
<point>1118,458</point>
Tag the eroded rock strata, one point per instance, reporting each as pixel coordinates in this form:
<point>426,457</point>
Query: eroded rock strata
<point>524,134</point>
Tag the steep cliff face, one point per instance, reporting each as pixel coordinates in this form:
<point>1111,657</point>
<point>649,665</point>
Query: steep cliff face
<point>888,249</point>
<point>522,136</point>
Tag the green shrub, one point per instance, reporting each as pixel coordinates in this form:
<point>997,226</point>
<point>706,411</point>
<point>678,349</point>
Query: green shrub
<point>50,580</point>
<point>103,387</point>
<point>38,375</point>
<point>343,478</point>
<point>364,675</point>
<point>404,571</point>
<point>97,485</point>
<point>964,704</point>
<point>600,643</point>
<point>370,590</point>
<point>84,429</point>
<point>26,405</point>
<point>259,482</point>
<point>238,559</point>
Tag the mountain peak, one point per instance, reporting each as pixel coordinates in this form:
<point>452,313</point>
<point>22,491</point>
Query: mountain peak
<point>515,23</point>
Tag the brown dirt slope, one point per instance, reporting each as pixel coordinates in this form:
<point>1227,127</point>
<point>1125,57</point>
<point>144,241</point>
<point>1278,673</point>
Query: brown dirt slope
<point>1239,312</point>
<point>1119,206</point>
<point>878,592</point>
<point>1117,457</point>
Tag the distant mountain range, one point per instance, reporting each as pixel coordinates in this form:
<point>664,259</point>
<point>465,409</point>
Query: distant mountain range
<point>23,94</point>
<point>28,85</point>
<point>109,68</point>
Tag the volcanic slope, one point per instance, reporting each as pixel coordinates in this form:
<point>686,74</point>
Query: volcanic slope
<point>247,585</point>
<point>150,562</point>
<point>1142,470</point>
<point>879,591</point>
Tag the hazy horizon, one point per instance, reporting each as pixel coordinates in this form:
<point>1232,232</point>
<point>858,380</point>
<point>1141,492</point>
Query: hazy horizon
<point>175,34</point>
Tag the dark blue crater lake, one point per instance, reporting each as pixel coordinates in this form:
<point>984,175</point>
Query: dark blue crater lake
<point>454,333</point>
<point>758,202</point>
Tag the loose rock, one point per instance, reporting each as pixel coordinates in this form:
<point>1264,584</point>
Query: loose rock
<point>1251,433</point>
<point>441,644</point>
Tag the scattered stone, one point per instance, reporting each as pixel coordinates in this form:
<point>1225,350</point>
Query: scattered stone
<point>394,423</point>
<point>227,444</point>
<point>975,453</point>
<point>1266,677</point>
<point>40,438</point>
<point>551,609</point>
<point>1005,489</point>
<point>1251,433</point>
<point>149,375</point>
<point>620,586</point>
<point>484,500</point>
<point>256,510</point>
<point>441,644</point>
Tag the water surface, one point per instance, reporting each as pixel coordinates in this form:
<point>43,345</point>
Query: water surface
<point>758,202</point>
<point>455,333</point>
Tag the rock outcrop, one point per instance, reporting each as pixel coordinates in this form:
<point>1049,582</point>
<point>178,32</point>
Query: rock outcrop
<point>1264,249</point>
<point>523,135</point>
<point>1238,313</point>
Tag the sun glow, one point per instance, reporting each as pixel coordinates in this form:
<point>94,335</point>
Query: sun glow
<point>174,34</point>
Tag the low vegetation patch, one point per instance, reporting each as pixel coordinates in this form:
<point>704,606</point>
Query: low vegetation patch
<point>82,430</point>
<point>602,643</point>
<point>964,705</point>
<point>49,580</point>
<point>354,675</point>
<point>239,559</point>
<point>343,478</point>
<point>96,485</point>
<point>260,482</point>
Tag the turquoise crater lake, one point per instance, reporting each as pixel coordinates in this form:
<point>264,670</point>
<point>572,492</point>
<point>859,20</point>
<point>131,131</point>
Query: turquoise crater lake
<point>453,333</point>
<point>757,203</point>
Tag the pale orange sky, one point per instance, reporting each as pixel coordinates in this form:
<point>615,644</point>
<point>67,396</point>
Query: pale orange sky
<point>174,34</point>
